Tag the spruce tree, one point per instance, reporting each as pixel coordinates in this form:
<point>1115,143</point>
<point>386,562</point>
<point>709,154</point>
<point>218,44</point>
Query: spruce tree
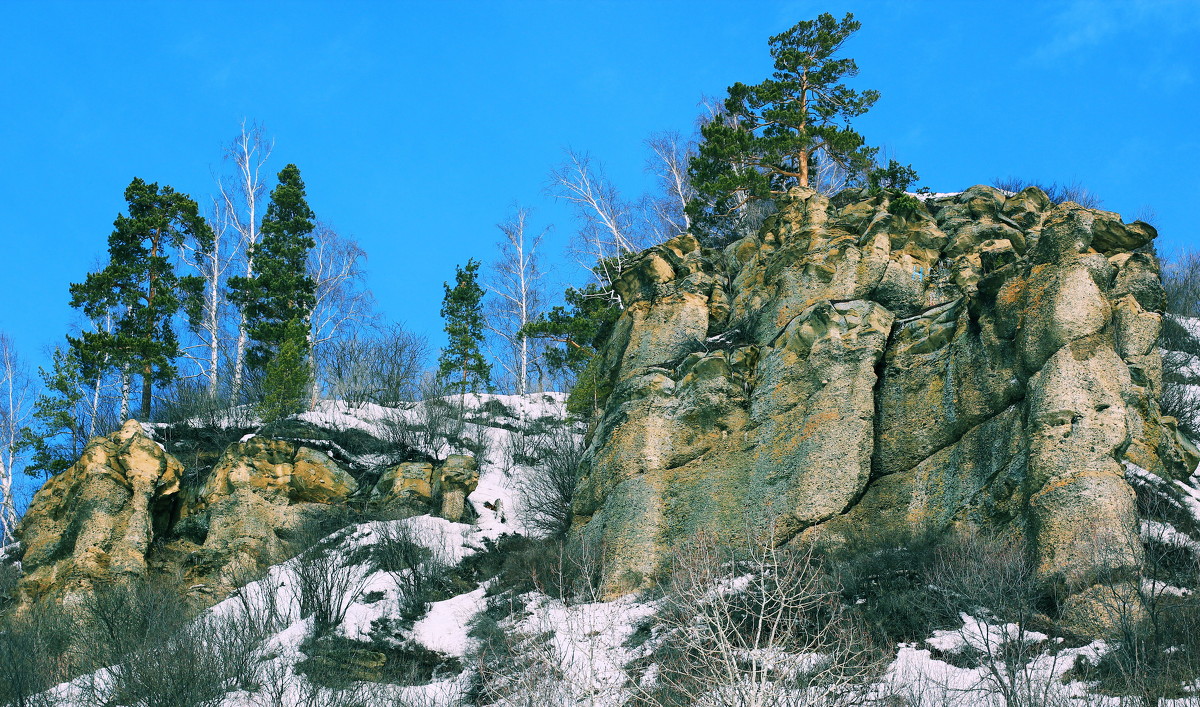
<point>139,285</point>
<point>288,375</point>
<point>461,365</point>
<point>279,292</point>
<point>773,131</point>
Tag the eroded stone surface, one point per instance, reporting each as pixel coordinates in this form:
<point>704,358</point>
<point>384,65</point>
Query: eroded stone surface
<point>118,514</point>
<point>93,523</point>
<point>987,363</point>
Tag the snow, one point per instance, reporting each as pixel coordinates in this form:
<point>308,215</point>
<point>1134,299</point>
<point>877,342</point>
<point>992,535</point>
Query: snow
<point>1166,533</point>
<point>981,636</point>
<point>583,641</point>
<point>934,195</point>
<point>444,628</point>
<point>926,681</point>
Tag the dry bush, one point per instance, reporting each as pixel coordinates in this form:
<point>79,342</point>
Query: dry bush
<point>381,366</point>
<point>761,628</point>
<point>1180,343</point>
<point>1155,616</point>
<point>327,587</point>
<point>158,656</point>
<point>1058,193</point>
<point>418,571</point>
<point>35,654</point>
<point>997,581</point>
<point>547,491</point>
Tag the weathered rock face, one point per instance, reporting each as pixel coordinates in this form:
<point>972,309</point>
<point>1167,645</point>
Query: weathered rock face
<point>979,361</point>
<point>94,523</point>
<point>458,477</point>
<point>260,490</point>
<point>98,522</point>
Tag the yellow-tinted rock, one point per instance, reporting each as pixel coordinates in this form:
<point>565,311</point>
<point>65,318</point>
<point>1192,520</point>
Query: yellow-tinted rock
<point>985,361</point>
<point>458,477</point>
<point>94,522</point>
<point>406,481</point>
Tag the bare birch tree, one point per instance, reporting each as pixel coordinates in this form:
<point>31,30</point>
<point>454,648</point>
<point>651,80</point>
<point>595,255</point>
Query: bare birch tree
<point>667,211</point>
<point>205,301</point>
<point>343,301</point>
<point>16,408</point>
<point>516,282</point>
<point>607,234</point>
<point>240,198</point>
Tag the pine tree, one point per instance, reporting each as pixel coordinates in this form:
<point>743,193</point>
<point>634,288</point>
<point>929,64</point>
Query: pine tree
<point>279,292</point>
<point>461,365</point>
<point>59,434</point>
<point>139,284</point>
<point>579,330</point>
<point>773,131</point>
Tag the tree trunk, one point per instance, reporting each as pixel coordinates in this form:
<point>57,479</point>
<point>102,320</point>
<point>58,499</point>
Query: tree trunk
<point>147,391</point>
<point>124,392</point>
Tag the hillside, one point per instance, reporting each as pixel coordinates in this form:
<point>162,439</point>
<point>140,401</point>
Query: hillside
<point>883,451</point>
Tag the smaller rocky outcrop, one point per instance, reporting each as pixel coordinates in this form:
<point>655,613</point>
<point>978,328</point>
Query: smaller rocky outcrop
<point>94,523</point>
<point>260,491</point>
<point>129,509</point>
<point>457,478</point>
<point>404,483</point>
<point>443,488</point>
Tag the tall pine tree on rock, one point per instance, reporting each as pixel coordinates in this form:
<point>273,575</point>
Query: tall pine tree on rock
<point>773,131</point>
<point>139,285</point>
<point>279,296</point>
<point>461,365</point>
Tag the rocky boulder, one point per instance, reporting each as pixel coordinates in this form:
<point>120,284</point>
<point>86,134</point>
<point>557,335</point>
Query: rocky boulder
<point>260,491</point>
<point>457,478</point>
<point>123,512</point>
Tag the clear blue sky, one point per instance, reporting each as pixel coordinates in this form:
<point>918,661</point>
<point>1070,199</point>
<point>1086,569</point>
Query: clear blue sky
<point>416,125</point>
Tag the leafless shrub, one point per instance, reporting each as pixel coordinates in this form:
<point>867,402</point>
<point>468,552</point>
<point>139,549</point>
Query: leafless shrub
<point>1180,342</point>
<point>763,628</point>
<point>381,366</point>
<point>195,667</point>
<point>998,580</point>
<point>1155,615</point>
<point>427,426</point>
<point>257,600</point>
<point>1058,193</point>
<point>327,587</point>
<point>548,491</point>
<point>417,570</point>
<point>153,654</point>
<point>35,653</point>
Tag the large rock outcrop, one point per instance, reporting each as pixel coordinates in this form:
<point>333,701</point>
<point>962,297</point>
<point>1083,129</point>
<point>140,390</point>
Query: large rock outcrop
<point>258,494</point>
<point>876,366</point>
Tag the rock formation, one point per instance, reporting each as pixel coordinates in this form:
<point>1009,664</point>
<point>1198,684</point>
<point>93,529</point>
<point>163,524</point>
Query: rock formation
<point>94,523</point>
<point>868,365</point>
<point>128,509</point>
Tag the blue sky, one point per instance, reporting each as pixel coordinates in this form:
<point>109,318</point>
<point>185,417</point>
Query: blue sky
<point>418,125</point>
